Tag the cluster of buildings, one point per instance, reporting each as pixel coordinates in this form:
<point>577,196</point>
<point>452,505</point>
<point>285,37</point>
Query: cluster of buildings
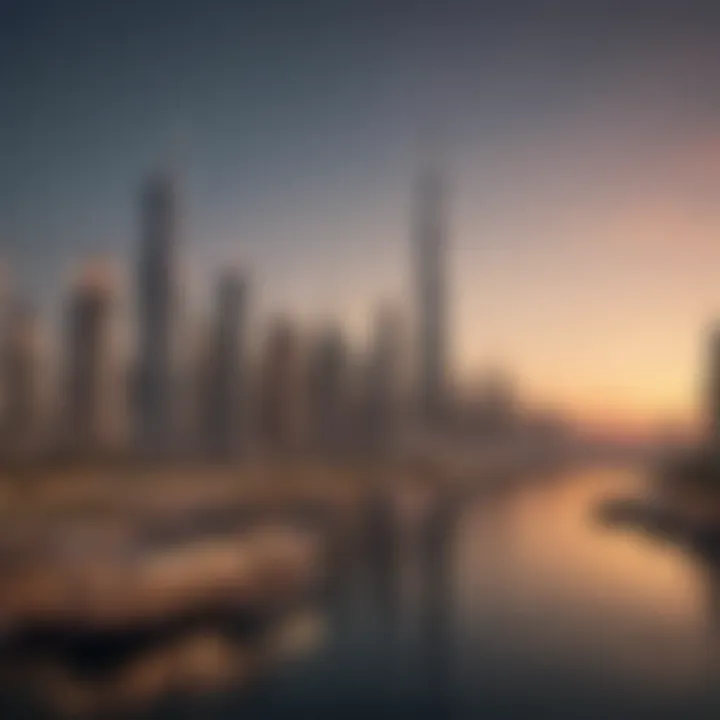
<point>293,393</point>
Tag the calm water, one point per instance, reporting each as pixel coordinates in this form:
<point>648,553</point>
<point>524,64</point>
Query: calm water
<point>524,607</point>
<point>540,610</point>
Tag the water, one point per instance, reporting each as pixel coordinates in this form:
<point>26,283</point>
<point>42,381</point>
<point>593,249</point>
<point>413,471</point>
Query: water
<point>538,610</point>
<point>520,605</point>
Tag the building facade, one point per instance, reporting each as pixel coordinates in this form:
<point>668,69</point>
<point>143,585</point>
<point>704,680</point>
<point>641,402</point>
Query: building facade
<point>431,320</point>
<point>87,401</point>
<point>226,381</point>
<point>157,315</point>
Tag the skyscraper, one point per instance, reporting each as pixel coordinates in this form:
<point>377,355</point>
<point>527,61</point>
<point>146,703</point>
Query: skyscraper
<point>713,388</point>
<point>156,314</point>
<point>328,390</point>
<point>4,309</point>
<point>430,247</point>
<point>382,382</point>
<point>281,401</point>
<point>89,362</point>
<point>226,382</point>
<point>21,378</point>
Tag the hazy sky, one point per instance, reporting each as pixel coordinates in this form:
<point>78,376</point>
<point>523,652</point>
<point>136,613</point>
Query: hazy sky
<point>581,141</point>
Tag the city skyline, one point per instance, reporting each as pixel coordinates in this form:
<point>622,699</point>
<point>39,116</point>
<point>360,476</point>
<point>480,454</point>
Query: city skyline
<point>154,272</point>
<point>360,357</point>
<point>584,228</point>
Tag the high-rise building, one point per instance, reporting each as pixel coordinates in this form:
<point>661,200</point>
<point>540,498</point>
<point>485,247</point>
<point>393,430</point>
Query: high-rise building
<point>382,391</point>
<point>157,315</point>
<point>4,309</point>
<point>226,402</point>
<point>713,388</point>
<point>21,379</point>
<point>430,248</point>
<point>328,390</point>
<point>282,418</point>
<point>87,401</point>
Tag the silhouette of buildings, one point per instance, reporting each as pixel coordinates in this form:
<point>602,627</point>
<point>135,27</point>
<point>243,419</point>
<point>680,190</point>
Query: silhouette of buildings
<point>87,399</point>
<point>382,383</point>
<point>329,390</point>
<point>323,399</point>
<point>282,421</point>
<point>21,378</point>
<point>4,310</point>
<point>713,388</point>
<point>156,314</point>
<point>491,409</point>
<point>226,382</point>
<point>430,247</point>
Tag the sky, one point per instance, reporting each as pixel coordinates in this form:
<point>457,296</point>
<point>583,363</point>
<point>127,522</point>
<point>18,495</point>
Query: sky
<point>580,142</point>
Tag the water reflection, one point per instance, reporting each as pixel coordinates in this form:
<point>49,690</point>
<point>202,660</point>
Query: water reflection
<point>496,604</point>
<point>454,606</point>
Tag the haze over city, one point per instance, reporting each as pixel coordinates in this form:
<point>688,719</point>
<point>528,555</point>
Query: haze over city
<point>580,145</point>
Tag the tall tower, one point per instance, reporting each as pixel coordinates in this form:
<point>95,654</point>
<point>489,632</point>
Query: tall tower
<point>157,314</point>
<point>89,361</point>
<point>226,400</point>
<point>430,246</point>
<point>21,377</point>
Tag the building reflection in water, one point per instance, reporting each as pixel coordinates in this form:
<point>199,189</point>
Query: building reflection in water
<point>407,570</point>
<point>444,607</point>
<point>709,570</point>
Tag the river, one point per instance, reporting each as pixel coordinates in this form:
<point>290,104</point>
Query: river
<point>523,606</point>
<point>538,610</point>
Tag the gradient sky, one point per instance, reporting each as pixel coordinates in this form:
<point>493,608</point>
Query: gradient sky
<point>581,141</point>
